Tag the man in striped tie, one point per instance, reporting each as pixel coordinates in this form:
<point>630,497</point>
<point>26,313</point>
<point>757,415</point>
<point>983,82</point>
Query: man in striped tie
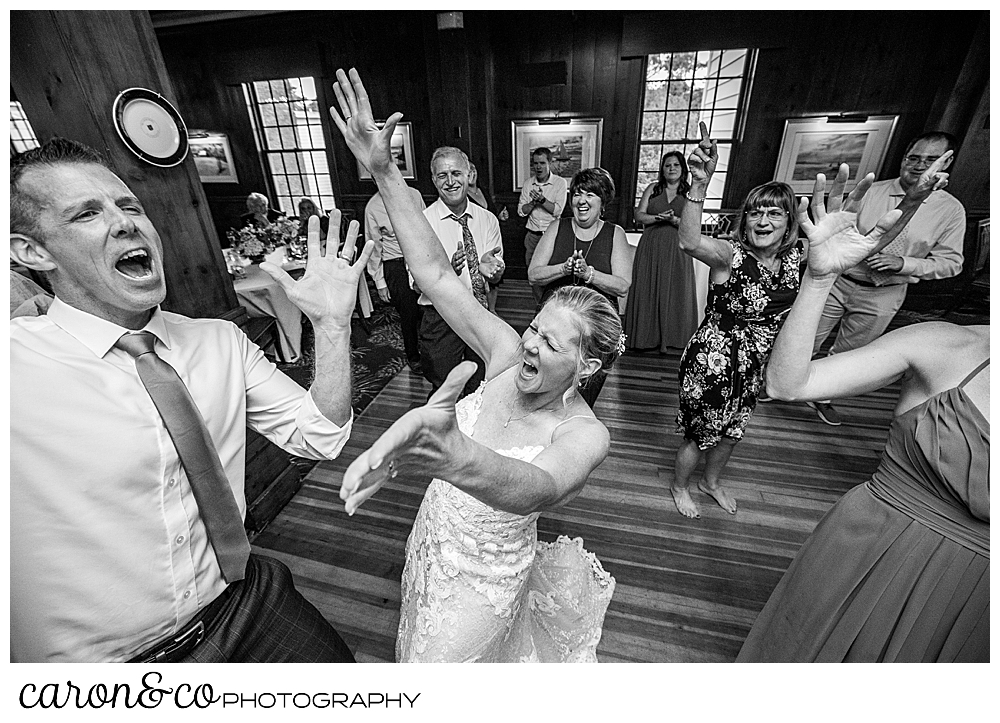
<point>470,236</point>
<point>128,441</point>
<point>866,298</point>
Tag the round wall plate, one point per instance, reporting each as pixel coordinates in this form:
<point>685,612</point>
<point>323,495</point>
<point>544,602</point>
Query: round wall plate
<point>150,126</point>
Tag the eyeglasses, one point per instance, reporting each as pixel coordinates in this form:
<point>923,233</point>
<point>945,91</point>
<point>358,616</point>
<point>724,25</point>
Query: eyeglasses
<point>914,160</point>
<point>773,214</point>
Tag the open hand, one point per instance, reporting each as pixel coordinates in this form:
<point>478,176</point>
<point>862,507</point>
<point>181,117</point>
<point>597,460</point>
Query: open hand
<point>367,142</point>
<point>423,442</point>
<point>567,266</point>
<point>327,291</point>
<point>384,294</point>
<point>835,243</point>
<point>703,159</point>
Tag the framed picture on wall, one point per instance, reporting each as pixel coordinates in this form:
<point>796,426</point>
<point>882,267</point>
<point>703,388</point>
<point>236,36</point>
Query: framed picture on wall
<point>575,143</point>
<point>819,145</point>
<point>212,156</point>
<point>402,152</point>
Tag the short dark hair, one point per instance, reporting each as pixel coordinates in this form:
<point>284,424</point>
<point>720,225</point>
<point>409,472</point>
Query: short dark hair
<point>24,207</point>
<point>773,193</point>
<point>596,181</point>
<point>542,151</point>
<point>948,138</point>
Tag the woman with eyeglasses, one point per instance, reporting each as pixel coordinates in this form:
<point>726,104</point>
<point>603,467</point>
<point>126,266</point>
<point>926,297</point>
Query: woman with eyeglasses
<point>753,279</point>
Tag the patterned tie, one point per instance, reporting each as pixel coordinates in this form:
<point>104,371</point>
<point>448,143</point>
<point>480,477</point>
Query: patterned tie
<point>472,261</point>
<point>895,248</point>
<point>197,453</point>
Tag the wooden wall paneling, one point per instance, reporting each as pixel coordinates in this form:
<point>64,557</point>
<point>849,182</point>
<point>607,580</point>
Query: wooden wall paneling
<point>582,61</point>
<point>69,68</point>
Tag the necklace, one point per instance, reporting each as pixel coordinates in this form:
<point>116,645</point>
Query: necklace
<point>512,418</point>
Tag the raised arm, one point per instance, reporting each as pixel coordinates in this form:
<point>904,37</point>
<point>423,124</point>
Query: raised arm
<point>326,294</point>
<point>430,267</point>
<point>427,442</point>
<point>835,245</point>
<point>714,252</point>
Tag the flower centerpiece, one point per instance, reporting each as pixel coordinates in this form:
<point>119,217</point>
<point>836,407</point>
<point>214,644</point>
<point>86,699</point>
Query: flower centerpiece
<point>256,242</point>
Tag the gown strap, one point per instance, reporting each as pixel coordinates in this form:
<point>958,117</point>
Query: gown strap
<point>974,372</point>
<point>575,416</point>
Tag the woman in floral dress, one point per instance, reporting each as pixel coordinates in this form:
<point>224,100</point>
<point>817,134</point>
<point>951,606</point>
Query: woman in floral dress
<point>754,278</point>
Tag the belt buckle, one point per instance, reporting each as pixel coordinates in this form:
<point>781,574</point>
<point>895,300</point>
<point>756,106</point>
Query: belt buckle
<point>188,638</point>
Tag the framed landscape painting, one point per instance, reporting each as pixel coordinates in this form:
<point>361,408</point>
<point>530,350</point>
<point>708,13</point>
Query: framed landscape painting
<point>402,152</point>
<point>212,156</point>
<point>819,145</point>
<point>575,143</point>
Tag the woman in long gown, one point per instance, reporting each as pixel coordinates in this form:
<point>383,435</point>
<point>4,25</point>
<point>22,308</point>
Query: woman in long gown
<point>898,570</point>
<point>753,280</point>
<point>477,586</point>
<point>662,310</point>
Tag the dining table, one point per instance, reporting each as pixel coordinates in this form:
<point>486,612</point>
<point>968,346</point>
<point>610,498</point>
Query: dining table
<point>261,295</point>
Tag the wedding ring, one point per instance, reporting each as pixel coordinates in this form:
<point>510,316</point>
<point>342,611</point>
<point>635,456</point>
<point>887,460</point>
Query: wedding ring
<point>392,469</point>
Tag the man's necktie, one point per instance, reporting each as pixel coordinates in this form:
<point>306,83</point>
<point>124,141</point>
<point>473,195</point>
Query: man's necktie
<point>472,261</point>
<point>895,248</point>
<point>186,427</point>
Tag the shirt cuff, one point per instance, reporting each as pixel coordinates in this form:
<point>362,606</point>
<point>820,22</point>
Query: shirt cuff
<point>325,438</point>
<point>909,266</point>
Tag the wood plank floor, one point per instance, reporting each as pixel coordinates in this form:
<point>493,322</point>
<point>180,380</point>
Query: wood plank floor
<point>687,590</point>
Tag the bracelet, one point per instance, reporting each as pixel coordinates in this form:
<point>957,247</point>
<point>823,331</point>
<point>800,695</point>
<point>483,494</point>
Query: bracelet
<point>591,277</point>
<point>687,195</point>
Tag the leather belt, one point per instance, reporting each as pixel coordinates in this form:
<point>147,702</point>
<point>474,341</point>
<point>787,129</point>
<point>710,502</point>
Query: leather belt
<point>861,282</point>
<point>172,649</point>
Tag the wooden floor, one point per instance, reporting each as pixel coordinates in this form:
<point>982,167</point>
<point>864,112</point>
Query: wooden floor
<point>687,590</point>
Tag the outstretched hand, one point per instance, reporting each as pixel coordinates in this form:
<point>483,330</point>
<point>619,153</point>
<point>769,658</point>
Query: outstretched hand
<point>704,158</point>
<point>369,144</point>
<point>423,442</point>
<point>835,243</point>
<point>327,291</point>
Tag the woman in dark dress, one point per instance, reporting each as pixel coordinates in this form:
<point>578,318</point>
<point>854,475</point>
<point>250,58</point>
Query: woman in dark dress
<point>662,302</point>
<point>753,279</point>
<point>584,250</point>
<point>898,570</point>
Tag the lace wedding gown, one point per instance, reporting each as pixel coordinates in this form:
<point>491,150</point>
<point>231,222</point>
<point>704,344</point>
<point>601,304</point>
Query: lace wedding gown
<point>479,587</point>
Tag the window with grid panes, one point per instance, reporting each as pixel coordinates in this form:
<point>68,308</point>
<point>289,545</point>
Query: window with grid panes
<point>287,119</point>
<point>682,89</point>
<point>22,137</point>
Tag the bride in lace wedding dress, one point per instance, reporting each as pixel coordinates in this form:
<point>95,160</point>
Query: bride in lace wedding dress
<point>478,586</point>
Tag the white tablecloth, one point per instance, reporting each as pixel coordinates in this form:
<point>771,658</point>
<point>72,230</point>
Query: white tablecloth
<point>261,295</point>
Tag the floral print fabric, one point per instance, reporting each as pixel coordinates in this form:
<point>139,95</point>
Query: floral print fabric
<point>722,368</point>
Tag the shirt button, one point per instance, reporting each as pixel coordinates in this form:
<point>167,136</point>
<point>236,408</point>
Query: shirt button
<point>180,539</point>
<point>171,483</point>
<point>187,594</point>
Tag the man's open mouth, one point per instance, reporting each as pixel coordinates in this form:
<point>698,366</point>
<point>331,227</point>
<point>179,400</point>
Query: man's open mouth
<point>135,264</point>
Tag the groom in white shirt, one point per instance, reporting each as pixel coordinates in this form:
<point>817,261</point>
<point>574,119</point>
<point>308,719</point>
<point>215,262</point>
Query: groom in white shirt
<point>125,544</point>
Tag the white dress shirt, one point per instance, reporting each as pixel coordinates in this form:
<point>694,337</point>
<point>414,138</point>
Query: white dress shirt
<point>934,236</point>
<point>485,233</point>
<point>554,189</point>
<point>108,552</point>
<point>378,228</point>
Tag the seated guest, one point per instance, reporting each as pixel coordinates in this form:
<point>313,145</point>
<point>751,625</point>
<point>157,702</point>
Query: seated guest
<point>899,569</point>
<point>307,209</point>
<point>259,212</point>
<point>127,459</point>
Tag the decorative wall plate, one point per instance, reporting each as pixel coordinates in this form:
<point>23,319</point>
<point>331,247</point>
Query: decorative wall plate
<point>150,126</point>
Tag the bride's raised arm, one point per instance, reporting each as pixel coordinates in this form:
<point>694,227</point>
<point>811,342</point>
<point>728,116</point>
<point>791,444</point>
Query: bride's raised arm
<point>488,335</point>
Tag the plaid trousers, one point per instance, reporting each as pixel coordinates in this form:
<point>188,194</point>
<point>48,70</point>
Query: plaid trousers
<point>266,620</point>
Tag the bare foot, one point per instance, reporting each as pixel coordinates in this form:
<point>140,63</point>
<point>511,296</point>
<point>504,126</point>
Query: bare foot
<point>720,495</point>
<point>685,505</point>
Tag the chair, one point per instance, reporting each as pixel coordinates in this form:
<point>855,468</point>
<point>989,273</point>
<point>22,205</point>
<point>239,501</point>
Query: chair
<point>261,330</point>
